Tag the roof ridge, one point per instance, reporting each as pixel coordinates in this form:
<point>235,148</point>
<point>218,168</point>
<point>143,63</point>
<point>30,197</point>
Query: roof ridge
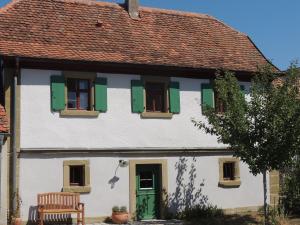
<point>175,12</point>
<point>91,2</point>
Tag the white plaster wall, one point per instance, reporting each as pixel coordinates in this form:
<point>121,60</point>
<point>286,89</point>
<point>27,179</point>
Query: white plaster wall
<point>117,128</point>
<point>3,182</point>
<point>40,174</point>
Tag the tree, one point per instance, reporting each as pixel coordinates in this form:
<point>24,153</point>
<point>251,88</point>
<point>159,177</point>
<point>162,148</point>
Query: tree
<point>262,129</point>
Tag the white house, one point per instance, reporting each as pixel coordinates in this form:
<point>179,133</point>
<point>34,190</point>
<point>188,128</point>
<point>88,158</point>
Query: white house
<point>101,101</point>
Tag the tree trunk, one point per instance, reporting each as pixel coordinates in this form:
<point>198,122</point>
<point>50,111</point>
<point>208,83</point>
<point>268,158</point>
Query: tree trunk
<point>265,197</point>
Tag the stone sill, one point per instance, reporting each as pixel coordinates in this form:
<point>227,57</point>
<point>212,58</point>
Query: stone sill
<point>77,189</point>
<point>158,115</point>
<point>79,113</point>
<point>230,183</point>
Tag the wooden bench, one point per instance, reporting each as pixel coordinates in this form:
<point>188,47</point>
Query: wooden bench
<point>60,203</point>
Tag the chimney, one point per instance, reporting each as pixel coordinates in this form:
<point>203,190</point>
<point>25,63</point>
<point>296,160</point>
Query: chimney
<point>133,8</point>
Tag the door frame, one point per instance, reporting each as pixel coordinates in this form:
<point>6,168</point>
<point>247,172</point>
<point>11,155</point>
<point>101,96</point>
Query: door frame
<point>132,183</point>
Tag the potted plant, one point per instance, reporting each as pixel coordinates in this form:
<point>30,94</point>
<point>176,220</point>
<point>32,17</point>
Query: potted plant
<point>119,215</point>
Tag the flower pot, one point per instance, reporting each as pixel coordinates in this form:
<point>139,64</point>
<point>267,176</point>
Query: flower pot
<point>119,217</point>
<point>17,221</point>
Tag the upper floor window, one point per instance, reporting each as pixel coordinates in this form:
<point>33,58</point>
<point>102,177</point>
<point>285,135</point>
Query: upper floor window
<point>79,94</point>
<point>155,97</point>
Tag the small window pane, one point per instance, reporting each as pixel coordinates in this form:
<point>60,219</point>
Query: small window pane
<point>146,180</point>
<point>71,83</point>
<point>72,100</point>
<point>228,171</point>
<point>84,100</point>
<point>83,84</point>
<point>76,175</point>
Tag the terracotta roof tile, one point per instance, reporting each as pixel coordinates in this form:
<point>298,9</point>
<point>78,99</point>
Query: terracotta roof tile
<point>4,127</point>
<point>70,29</point>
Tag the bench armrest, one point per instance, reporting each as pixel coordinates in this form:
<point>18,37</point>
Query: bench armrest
<point>80,206</point>
<point>40,208</point>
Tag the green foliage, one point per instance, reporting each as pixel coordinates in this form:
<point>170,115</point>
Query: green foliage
<point>201,211</point>
<point>123,209</point>
<point>264,129</point>
<point>291,188</point>
<point>116,209</point>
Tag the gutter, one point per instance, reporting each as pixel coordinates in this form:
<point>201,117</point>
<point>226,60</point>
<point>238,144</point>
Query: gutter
<point>14,129</point>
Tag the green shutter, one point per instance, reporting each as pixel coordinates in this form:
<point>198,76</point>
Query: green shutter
<point>57,93</point>
<point>207,96</point>
<point>174,97</point>
<point>101,94</point>
<point>137,96</point>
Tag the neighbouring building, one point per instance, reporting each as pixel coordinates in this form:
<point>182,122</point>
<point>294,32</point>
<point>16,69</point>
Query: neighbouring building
<point>4,130</point>
<point>100,98</point>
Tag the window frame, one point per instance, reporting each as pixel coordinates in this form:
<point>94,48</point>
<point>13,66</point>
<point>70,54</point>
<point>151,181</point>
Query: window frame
<point>236,182</point>
<point>78,91</point>
<point>166,82</point>
<point>91,77</point>
<point>67,187</point>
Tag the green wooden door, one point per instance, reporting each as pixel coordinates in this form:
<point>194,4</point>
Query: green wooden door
<point>148,191</point>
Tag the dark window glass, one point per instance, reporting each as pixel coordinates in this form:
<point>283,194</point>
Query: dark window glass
<point>146,180</point>
<point>76,175</point>
<point>78,94</point>
<point>228,171</point>
<point>155,97</point>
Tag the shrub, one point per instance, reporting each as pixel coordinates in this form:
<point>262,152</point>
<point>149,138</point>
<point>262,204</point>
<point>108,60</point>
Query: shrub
<point>123,209</point>
<point>291,188</point>
<point>200,211</point>
<point>116,209</point>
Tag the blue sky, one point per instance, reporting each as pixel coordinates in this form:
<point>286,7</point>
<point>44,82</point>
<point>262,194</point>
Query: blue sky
<point>274,25</point>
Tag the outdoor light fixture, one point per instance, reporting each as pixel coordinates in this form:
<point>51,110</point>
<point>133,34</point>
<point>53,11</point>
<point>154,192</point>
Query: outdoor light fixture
<point>123,163</point>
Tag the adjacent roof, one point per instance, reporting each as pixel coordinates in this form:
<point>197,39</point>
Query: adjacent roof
<point>4,127</point>
<point>87,30</point>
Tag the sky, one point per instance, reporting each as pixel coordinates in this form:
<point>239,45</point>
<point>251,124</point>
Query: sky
<point>273,25</point>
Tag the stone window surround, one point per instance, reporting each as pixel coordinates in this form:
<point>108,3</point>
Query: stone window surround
<point>229,183</point>
<point>132,182</point>
<point>78,113</point>
<point>66,176</point>
<point>163,115</point>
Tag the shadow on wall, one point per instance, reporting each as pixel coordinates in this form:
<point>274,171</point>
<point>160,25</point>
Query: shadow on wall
<point>49,219</point>
<point>188,192</point>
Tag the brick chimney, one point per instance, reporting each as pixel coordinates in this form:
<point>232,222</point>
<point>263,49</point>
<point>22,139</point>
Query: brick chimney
<point>133,8</point>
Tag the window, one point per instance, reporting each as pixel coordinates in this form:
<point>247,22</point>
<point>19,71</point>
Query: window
<point>79,94</point>
<point>76,176</point>
<point>146,180</point>
<point>229,172</point>
<point>210,98</point>
<point>219,105</point>
<point>155,97</point>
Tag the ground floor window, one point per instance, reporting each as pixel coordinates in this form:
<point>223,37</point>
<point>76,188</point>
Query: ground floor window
<point>229,172</point>
<point>76,176</point>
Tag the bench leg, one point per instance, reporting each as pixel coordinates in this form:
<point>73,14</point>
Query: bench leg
<point>82,216</point>
<point>41,218</point>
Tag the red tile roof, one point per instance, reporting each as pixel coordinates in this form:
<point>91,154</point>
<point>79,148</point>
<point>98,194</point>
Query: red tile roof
<point>4,127</point>
<point>87,30</point>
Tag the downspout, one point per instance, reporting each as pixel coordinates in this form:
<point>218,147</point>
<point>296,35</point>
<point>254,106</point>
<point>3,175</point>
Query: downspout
<point>14,148</point>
